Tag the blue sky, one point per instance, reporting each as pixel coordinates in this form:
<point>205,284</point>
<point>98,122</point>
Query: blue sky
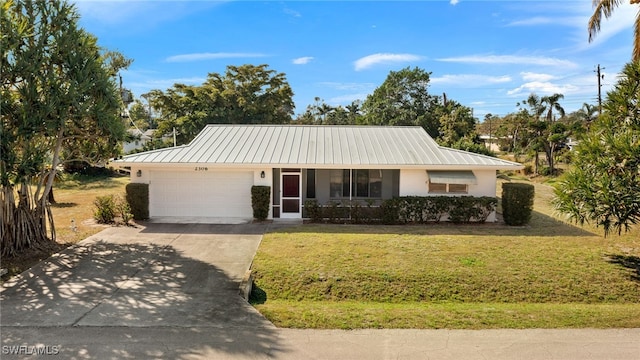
<point>487,55</point>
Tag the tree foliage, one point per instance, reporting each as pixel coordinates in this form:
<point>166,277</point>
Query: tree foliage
<point>321,113</point>
<point>57,96</point>
<point>545,133</point>
<point>403,99</point>
<point>606,8</point>
<point>246,94</point>
<point>604,185</point>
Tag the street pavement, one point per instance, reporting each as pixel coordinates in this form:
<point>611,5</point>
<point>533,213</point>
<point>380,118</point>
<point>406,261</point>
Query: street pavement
<point>170,291</point>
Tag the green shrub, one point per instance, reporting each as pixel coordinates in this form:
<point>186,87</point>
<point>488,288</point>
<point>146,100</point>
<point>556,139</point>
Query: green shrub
<point>105,211</point>
<point>390,211</point>
<point>425,209</point>
<point>462,209</point>
<point>437,207</point>
<point>138,199</point>
<point>332,211</point>
<point>517,203</point>
<point>313,210</point>
<point>260,201</point>
<point>123,209</point>
<point>528,169</point>
<point>486,205</point>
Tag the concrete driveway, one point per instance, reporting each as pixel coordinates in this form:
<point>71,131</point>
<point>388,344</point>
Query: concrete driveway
<point>170,291</point>
<point>176,277</point>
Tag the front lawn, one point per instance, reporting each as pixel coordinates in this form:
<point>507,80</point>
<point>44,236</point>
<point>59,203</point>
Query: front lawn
<point>548,275</point>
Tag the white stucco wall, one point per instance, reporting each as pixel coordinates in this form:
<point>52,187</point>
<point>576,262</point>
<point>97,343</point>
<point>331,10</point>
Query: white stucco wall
<point>145,173</point>
<point>415,183</point>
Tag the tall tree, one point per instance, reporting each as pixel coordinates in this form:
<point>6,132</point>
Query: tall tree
<point>456,122</point>
<point>246,94</point>
<point>606,8</point>
<point>556,132</point>
<point>604,185</point>
<point>403,99</point>
<point>140,115</point>
<point>57,94</point>
<point>535,128</point>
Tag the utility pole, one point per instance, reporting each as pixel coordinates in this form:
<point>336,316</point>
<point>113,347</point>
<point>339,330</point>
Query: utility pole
<point>600,76</point>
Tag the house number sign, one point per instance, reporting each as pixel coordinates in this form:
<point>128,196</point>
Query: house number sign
<point>201,168</point>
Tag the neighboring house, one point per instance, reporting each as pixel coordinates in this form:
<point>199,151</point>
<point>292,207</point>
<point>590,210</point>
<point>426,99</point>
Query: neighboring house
<point>212,176</point>
<point>491,142</point>
<point>571,144</point>
<point>141,138</point>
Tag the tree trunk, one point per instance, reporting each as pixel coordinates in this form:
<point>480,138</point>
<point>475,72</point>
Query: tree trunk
<point>51,199</point>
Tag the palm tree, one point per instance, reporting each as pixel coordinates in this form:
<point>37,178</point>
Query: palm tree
<point>550,103</point>
<point>588,113</point>
<point>535,126</point>
<point>556,133</point>
<point>606,8</point>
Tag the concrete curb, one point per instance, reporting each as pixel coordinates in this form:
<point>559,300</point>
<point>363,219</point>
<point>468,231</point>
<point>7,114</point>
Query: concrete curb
<point>246,285</point>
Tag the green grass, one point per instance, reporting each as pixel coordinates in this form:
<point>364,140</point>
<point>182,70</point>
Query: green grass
<point>545,275</point>
<point>433,315</point>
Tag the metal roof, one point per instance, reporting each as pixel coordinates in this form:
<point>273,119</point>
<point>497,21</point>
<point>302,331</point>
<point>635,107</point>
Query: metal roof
<point>316,146</point>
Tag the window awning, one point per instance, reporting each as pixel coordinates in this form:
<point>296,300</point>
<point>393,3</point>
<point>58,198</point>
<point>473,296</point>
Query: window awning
<point>465,177</point>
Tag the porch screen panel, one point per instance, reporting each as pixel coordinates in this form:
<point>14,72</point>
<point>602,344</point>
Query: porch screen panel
<point>290,205</point>
<point>290,185</point>
<point>375,183</point>
<point>311,183</point>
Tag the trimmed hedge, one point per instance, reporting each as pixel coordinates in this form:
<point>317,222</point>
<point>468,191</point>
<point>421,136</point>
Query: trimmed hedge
<point>517,203</point>
<point>424,209</point>
<point>313,210</point>
<point>260,199</point>
<point>138,199</point>
<point>407,209</point>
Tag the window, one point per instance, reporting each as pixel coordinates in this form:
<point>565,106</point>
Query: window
<point>458,188</point>
<point>339,183</point>
<point>375,183</point>
<point>360,183</point>
<point>441,188</point>
<point>437,188</point>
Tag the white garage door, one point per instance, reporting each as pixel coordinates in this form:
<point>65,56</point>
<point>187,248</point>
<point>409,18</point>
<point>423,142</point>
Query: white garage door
<point>200,194</point>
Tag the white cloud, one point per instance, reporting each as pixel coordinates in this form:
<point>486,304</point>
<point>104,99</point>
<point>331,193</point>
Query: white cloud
<point>302,60</point>
<point>211,56</point>
<point>529,76</point>
<point>292,12</point>
<point>454,2</point>
<point>510,59</point>
<point>349,86</point>
<point>383,58</point>
<point>470,80</point>
<point>346,99</point>
<point>538,20</point>
<point>542,88</point>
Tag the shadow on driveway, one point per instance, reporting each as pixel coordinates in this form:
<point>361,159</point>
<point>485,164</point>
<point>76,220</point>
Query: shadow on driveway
<point>105,299</point>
